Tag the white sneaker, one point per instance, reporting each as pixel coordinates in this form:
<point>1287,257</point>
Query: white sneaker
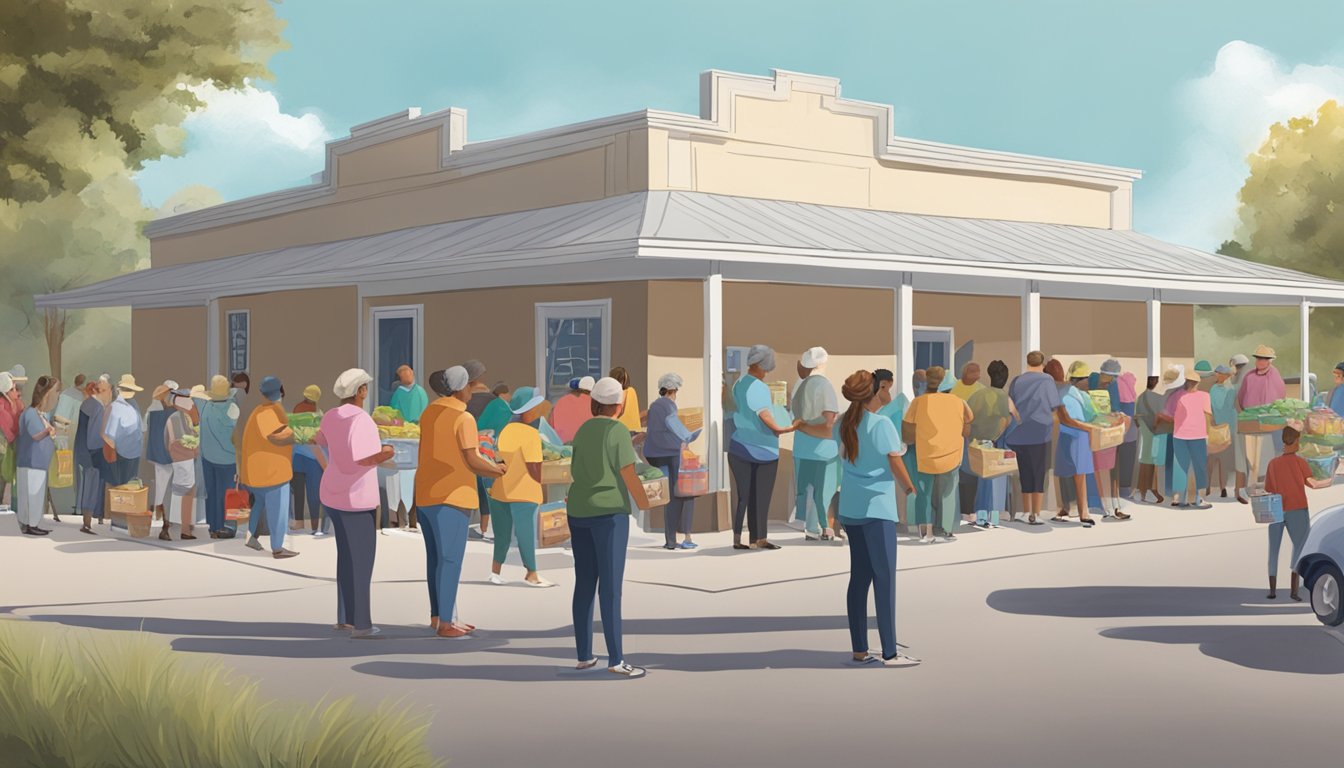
<point>365,634</point>
<point>900,660</point>
<point>625,670</point>
<point>319,534</point>
<point>540,583</point>
<point>926,540</point>
<point>495,578</point>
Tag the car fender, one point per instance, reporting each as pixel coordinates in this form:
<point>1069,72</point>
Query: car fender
<point>1325,541</point>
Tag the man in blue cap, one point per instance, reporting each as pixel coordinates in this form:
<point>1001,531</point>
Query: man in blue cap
<point>266,466</point>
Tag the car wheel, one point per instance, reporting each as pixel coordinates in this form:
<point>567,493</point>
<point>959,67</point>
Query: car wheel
<point>1327,595</point>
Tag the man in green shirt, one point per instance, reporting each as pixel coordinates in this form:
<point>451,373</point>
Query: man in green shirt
<point>410,398</point>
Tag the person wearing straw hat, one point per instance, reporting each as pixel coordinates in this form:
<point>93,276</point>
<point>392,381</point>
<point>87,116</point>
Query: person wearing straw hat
<point>219,454</point>
<point>1262,385</point>
<point>123,436</point>
<point>517,495</point>
<point>1073,453</point>
<point>305,487</point>
<point>155,421</point>
<point>1189,412</point>
<point>1104,487</point>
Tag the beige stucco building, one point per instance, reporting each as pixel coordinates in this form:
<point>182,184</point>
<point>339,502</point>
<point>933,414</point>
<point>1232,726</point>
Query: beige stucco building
<point>782,214</point>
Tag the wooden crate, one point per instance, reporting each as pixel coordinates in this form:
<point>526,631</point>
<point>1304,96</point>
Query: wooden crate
<point>556,473</point>
<point>552,527</point>
<point>1107,437</point>
<point>989,462</point>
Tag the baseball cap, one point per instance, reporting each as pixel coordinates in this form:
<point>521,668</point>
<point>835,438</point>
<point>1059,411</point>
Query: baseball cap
<point>607,391</point>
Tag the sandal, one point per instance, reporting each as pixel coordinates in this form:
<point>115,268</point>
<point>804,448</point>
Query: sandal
<point>1060,519</point>
<point>741,546</point>
<point>1088,522</point>
<point>88,530</point>
<point>1121,515</point>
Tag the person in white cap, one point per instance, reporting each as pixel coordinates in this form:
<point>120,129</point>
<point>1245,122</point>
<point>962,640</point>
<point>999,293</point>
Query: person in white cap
<point>753,451</point>
<point>446,491</point>
<point>573,409</point>
<point>156,449</point>
<point>816,453</point>
<point>350,454</point>
<point>599,521</point>
<point>10,407</point>
<point>667,438</point>
<point>517,495</point>
<point>123,435</point>
<point>183,443</point>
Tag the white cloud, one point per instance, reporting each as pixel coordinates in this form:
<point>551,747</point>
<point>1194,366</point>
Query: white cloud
<point>1228,113</point>
<point>240,143</point>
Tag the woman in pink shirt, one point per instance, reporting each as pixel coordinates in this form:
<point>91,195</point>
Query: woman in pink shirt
<point>1190,441</point>
<point>349,491</point>
<point>571,411</point>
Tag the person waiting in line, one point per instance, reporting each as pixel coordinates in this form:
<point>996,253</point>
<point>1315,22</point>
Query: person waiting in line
<point>65,417</point>
<point>573,409</point>
<point>630,415</point>
<point>88,453</point>
<point>123,439</point>
<point>1288,475</point>
<point>598,504</point>
<point>991,413</point>
<point>267,467</point>
<point>350,454</point>
<point>969,383</point>
<point>450,465</point>
<point>1073,455</point>
<point>1190,414</point>
<point>667,438</point>
<point>1152,442</point>
<point>219,452</point>
<point>1262,385</point>
<point>1223,465</point>
<point>181,424</point>
<point>497,414</point>
<point>409,398</point>
<point>306,487</point>
<point>10,408</point>
<point>753,452</point>
<point>871,464</point>
<point>1107,464</point>
<point>816,454</point>
<point>36,447</point>
<point>895,410</point>
<point>1036,397</point>
<point>517,495</point>
<point>937,423</point>
<point>156,450</point>
<point>479,398</point>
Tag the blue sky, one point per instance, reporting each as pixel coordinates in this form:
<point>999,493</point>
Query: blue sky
<point>1180,89</point>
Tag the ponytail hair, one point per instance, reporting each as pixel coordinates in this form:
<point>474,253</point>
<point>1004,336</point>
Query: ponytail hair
<point>858,390</point>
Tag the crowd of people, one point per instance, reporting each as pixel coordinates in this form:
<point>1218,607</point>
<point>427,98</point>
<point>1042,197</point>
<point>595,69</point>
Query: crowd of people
<point>881,465</point>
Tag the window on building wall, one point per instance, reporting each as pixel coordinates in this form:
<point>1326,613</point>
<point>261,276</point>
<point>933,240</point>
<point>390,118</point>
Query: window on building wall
<point>238,325</point>
<point>397,341</point>
<point>573,340</point>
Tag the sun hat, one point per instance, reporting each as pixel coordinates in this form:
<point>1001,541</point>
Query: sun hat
<point>1239,359</point>
<point>1193,376</point>
<point>127,384</point>
<point>1204,368</point>
<point>1079,370</point>
<point>475,369</point>
<point>271,387</point>
<point>349,382</point>
<point>167,386</point>
<point>197,391</point>
<point>312,392</point>
<point>670,381</point>
<point>525,399</point>
<point>1172,377</point>
<point>1111,367</point>
<point>1225,369</point>
<point>19,374</point>
<point>457,378</point>
<point>814,357</point>
<point>607,391</point>
<point>1264,353</point>
<point>219,387</point>
<point>6,382</point>
<point>587,382</point>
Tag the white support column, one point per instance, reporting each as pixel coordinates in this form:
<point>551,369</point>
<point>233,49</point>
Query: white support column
<point>715,458</point>
<point>1155,334</point>
<point>1304,317</point>
<point>1031,319</point>
<point>904,335</point>
<point>211,340</point>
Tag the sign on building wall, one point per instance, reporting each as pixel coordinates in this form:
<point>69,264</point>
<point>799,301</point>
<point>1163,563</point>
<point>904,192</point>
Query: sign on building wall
<point>238,329</point>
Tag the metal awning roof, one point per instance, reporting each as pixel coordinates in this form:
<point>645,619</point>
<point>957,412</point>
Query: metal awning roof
<point>674,234</point>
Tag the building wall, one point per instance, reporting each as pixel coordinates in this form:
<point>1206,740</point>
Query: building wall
<point>993,323</point>
<point>304,337</point>
<point>167,344</point>
<point>799,150</point>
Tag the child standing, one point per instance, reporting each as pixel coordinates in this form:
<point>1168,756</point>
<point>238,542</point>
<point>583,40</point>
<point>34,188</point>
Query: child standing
<point>1287,475</point>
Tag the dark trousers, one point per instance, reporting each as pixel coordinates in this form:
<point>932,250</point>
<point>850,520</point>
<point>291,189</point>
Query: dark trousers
<point>356,546</point>
<point>872,563</point>
<point>599,545</point>
<point>218,479</point>
<point>752,485</point>
<point>679,510</point>
<point>307,483</point>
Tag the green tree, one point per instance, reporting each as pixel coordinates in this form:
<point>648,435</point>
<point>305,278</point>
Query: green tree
<point>91,90</point>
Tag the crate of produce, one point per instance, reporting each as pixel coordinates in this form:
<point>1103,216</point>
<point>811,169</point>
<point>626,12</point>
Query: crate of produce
<point>556,472</point>
<point>1101,400</point>
<point>132,499</point>
<point>693,482</point>
<point>655,484</point>
<point>1256,427</point>
<point>552,524</point>
<point>990,462</point>
<point>407,452</point>
<point>1323,469</point>
<point>1105,436</point>
<point>691,418</point>
<point>1267,508</point>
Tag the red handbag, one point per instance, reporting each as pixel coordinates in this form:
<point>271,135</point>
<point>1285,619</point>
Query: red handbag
<point>237,504</point>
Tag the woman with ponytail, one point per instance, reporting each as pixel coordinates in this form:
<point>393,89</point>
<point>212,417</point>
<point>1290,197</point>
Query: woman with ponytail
<point>870,464</point>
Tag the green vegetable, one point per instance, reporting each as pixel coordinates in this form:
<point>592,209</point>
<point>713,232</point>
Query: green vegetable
<point>304,420</point>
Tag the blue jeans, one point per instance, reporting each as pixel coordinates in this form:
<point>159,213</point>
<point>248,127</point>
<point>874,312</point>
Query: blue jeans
<point>872,563</point>
<point>218,479</point>
<point>274,501</point>
<point>445,533</point>
<point>1191,455</point>
<point>599,568</point>
<point>307,487</point>
<point>1298,523</point>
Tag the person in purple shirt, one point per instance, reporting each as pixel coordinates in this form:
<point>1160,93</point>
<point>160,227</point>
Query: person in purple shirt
<point>1261,386</point>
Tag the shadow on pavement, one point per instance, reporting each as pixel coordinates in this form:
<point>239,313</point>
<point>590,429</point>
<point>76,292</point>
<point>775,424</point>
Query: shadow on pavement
<point>1305,650</point>
<point>1119,601</point>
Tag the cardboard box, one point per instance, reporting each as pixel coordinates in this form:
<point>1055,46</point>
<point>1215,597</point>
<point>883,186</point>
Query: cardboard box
<point>407,454</point>
<point>552,525</point>
<point>556,472</point>
<point>990,462</point>
<point>657,491</point>
<point>691,418</point>
<point>128,499</point>
<point>1107,437</point>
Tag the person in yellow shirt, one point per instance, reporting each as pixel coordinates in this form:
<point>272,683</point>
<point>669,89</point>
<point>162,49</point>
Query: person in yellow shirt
<point>517,495</point>
<point>267,466</point>
<point>937,424</point>
<point>969,383</point>
<point>446,493</point>
<point>630,414</point>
